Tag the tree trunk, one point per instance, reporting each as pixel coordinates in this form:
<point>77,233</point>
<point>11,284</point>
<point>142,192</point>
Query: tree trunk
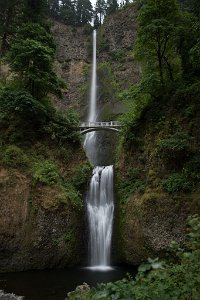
<point>169,68</point>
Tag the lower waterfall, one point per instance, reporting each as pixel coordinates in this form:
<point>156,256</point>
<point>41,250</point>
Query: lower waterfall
<point>100,209</point>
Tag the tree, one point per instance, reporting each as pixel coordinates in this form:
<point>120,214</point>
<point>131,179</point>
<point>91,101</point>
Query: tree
<point>100,9</point>
<point>156,42</point>
<point>84,12</point>
<point>31,56</point>
<point>96,20</point>
<point>112,7</point>
<point>35,10</point>
<point>53,8</point>
<point>68,12</point>
<point>10,13</point>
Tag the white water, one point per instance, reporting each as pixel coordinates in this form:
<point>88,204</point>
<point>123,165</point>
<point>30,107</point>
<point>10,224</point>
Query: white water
<point>100,208</point>
<point>93,90</point>
<point>90,139</point>
<point>100,200</point>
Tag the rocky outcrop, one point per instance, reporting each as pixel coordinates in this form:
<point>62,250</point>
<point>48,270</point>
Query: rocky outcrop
<point>71,60</point>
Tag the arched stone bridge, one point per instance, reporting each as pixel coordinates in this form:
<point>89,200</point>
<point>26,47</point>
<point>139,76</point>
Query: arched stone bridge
<point>86,127</point>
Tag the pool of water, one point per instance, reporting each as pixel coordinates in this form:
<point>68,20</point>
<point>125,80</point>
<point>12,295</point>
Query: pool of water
<point>55,284</point>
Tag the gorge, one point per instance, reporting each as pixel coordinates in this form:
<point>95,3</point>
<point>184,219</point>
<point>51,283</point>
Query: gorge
<point>47,186</point>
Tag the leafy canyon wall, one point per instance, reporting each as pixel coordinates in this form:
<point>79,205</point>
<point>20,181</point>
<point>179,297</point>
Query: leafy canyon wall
<point>42,217</point>
<point>158,178</point>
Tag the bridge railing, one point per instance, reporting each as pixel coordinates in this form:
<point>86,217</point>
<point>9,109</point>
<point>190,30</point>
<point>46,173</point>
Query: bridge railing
<point>100,124</point>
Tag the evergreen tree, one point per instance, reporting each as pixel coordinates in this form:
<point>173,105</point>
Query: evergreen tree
<point>35,10</point>
<point>32,56</point>
<point>10,14</point>
<point>53,8</point>
<point>100,9</point>
<point>68,12</point>
<point>112,7</point>
<point>84,12</point>
<point>96,20</point>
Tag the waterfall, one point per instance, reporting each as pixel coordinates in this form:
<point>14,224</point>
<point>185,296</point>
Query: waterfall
<point>100,198</point>
<point>90,139</point>
<point>100,208</point>
<point>93,91</point>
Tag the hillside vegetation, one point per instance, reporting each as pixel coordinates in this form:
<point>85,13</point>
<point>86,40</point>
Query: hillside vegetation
<point>43,168</point>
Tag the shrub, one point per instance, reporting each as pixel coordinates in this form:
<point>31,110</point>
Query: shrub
<point>74,196</point>
<point>64,127</point>
<point>176,143</point>
<point>20,107</point>
<point>177,182</point>
<point>69,236</point>
<point>81,175</point>
<point>118,55</point>
<point>155,279</point>
<point>132,183</point>
<point>192,169</point>
<point>13,156</point>
<point>46,172</point>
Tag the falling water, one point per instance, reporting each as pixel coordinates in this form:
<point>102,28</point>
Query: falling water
<point>100,199</point>
<point>100,208</point>
<point>93,91</point>
<point>90,139</point>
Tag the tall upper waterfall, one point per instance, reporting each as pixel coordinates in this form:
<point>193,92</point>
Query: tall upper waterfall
<point>90,139</point>
<point>93,90</point>
<point>100,199</point>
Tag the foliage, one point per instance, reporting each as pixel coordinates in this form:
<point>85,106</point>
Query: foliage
<point>137,100</point>
<point>177,182</point>
<point>74,196</point>
<point>75,13</point>
<point>156,280</point>
<point>105,75</point>
<point>81,175</point>
<point>32,58</point>
<point>64,126</point>
<point>131,183</point>
<point>45,172</point>
<point>11,11</point>
<point>21,103</point>
<point>13,156</point>
<point>176,146</point>
<point>69,236</point>
<point>192,169</point>
<point>22,113</point>
<point>156,42</point>
<point>118,55</point>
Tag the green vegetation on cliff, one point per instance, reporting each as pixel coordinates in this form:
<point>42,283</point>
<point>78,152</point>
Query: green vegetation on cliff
<point>158,159</point>
<point>156,279</point>
<point>43,168</point>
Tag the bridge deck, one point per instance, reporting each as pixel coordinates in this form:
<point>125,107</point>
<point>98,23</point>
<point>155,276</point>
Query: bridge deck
<point>113,124</point>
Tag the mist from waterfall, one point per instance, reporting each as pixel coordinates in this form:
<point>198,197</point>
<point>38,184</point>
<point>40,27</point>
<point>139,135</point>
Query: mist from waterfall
<point>100,199</point>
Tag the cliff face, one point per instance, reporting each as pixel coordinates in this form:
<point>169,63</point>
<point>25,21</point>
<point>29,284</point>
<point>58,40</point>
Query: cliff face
<point>115,62</point>
<point>40,225</point>
<point>158,186</point>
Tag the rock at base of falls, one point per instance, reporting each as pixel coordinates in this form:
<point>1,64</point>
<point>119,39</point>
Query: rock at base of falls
<point>5,296</point>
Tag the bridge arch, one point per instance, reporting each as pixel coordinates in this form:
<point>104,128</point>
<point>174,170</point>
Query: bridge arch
<point>85,131</point>
<point>86,127</point>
